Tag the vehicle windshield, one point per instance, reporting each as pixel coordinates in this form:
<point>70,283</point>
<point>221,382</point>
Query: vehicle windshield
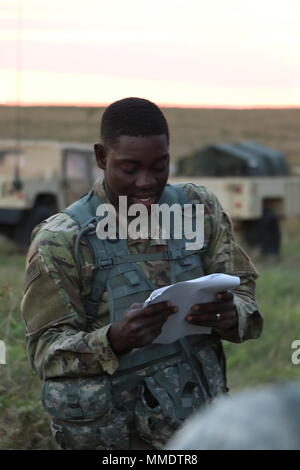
<point>9,160</point>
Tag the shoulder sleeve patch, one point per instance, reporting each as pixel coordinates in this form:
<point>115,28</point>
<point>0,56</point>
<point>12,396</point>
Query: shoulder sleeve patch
<point>32,272</point>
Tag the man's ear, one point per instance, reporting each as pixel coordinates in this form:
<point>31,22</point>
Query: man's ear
<point>101,155</point>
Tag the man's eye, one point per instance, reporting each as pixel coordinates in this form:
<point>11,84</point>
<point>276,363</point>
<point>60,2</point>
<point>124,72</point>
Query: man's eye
<point>161,168</point>
<point>128,170</point>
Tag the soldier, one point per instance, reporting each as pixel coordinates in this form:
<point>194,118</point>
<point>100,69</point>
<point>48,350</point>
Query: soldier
<point>106,386</point>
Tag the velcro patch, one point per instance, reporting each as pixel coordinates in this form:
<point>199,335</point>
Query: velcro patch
<point>32,272</point>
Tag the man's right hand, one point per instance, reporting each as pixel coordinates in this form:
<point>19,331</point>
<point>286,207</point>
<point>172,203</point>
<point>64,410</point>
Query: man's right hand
<point>139,326</point>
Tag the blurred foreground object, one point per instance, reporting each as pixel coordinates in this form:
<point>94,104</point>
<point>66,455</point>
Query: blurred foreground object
<point>38,179</point>
<point>266,418</point>
<point>254,185</point>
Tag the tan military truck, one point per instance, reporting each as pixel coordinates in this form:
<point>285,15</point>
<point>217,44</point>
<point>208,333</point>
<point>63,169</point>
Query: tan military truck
<point>39,178</point>
<point>254,185</point>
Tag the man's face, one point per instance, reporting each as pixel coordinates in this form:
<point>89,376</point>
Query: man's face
<point>136,167</point>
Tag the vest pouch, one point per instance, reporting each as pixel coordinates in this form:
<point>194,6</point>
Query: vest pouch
<point>167,398</point>
<point>211,360</point>
<point>83,414</point>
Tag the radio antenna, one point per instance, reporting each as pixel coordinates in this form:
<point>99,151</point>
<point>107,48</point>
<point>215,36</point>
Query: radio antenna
<point>18,134</point>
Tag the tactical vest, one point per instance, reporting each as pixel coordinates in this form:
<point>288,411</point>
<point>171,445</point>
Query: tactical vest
<point>117,271</point>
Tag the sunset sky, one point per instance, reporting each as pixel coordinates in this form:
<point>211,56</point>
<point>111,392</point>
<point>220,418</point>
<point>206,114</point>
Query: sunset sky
<point>192,52</point>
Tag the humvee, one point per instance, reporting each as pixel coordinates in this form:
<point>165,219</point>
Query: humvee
<point>38,179</point>
<point>254,185</point>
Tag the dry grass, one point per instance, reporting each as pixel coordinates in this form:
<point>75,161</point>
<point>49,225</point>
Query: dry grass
<point>190,128</point>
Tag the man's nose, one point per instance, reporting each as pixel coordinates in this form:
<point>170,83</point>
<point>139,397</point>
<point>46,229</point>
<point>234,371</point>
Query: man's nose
<point>145,181</point>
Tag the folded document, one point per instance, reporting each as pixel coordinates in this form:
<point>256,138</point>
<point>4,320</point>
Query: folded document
<point>184,295</point>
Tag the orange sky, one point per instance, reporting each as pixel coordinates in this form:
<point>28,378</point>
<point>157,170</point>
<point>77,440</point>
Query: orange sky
<point>216,53</point>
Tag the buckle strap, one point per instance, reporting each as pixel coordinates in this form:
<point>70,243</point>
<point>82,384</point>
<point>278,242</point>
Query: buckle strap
<point>169,255</point>
<point>148,355</point>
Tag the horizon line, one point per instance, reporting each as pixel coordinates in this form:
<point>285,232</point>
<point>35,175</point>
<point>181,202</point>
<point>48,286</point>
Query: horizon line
<point>162,105</point>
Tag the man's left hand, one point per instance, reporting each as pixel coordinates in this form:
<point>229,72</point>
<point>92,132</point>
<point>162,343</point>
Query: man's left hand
<point>220,314</point>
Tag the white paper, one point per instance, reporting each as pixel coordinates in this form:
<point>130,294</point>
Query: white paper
<point>184,295</point>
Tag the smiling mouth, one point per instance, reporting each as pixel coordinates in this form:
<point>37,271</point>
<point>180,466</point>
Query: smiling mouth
<point>146,201</point>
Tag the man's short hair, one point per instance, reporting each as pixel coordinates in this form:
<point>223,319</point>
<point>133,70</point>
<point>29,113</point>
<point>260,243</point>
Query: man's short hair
<point>132,117</point>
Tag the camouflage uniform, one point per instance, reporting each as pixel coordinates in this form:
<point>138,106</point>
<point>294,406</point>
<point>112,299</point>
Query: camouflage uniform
<point>70,354</point>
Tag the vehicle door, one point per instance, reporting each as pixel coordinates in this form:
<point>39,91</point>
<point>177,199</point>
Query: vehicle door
<point>77,173</point>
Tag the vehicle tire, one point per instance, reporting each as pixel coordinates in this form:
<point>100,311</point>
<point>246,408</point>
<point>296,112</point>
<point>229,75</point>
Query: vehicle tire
<point>23,230</point>
<point>270,233</point>
<point>251,232</point>
<point>263,233</point>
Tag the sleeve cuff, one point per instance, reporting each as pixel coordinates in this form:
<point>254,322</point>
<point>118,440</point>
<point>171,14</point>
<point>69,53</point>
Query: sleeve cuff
<point>249,325</point>
<point>100,345</point>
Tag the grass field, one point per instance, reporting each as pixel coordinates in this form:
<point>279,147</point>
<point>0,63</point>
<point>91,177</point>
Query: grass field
<point>23,423</point>
<point>268,359</point>
<point>189,128</point>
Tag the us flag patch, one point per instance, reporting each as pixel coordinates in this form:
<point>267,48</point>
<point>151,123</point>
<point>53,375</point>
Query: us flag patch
<point>32,272</point>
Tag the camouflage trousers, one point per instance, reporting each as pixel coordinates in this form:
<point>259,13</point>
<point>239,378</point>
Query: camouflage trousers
<point>129,411</point>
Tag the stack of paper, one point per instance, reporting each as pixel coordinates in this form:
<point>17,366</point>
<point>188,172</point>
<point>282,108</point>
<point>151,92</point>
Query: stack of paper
<point>184,295</point>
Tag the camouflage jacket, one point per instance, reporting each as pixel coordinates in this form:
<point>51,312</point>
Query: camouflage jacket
<point>59,343</point>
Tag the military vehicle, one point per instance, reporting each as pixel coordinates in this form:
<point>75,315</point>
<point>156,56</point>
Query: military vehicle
<point>252,182</point>
<point>38,179</point>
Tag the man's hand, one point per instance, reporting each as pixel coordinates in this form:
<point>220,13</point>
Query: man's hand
<point>220,314</point>
<point>139,326</point>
